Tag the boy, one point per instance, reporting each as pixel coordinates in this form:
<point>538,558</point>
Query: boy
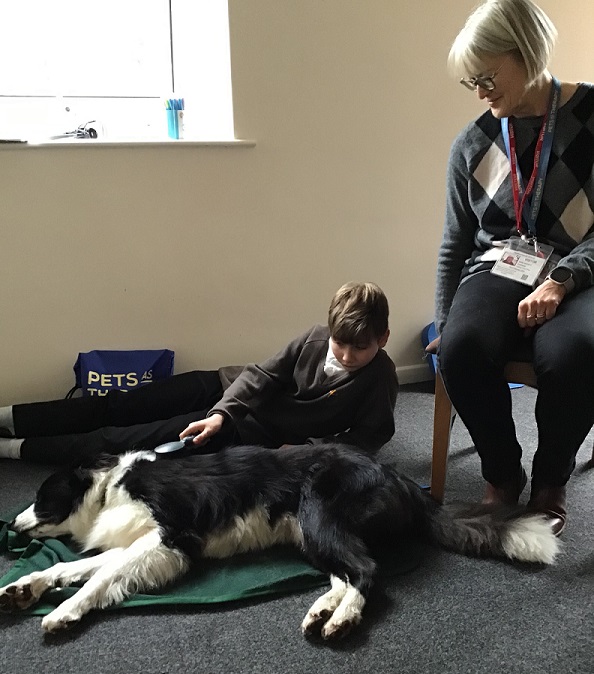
<point>332,383</point>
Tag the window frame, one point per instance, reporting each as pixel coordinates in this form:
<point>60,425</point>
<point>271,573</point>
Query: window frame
<point>137,117</point>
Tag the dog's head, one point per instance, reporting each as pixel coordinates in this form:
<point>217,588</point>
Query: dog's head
<point>58,499</point>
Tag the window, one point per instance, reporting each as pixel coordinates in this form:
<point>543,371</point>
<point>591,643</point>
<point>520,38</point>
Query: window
<point>68,62</point>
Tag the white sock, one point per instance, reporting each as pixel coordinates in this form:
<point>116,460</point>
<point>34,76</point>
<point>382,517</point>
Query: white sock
<point>10,448</point>
<point>6,420</point>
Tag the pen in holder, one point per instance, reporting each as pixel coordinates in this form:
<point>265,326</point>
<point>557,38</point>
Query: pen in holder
<point>174,108</point>
<point>180,123</point>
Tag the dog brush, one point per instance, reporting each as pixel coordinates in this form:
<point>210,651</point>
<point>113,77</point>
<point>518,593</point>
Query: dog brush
<point>175,446</point>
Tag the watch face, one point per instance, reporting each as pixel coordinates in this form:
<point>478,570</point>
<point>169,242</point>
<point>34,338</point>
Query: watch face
<point>560,275</point>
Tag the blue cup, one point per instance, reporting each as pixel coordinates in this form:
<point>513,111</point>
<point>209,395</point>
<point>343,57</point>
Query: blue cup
<point>172,128</point>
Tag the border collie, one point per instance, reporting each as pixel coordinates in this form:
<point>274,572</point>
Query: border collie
<point>153,516</point>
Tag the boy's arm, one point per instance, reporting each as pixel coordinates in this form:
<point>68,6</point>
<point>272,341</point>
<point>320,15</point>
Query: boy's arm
<point>258,382</point>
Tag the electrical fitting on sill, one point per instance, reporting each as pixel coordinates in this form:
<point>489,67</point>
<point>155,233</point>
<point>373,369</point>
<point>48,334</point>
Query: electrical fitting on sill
<point>90,129</point>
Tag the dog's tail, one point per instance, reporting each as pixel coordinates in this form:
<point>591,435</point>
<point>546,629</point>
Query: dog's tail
<point>495,532</point>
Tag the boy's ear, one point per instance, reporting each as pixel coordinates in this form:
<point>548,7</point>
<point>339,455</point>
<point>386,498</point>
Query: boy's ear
<point>383,340</point>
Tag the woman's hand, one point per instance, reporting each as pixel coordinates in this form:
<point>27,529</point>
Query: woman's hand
<point>204,429</point>
<point>433,346</point>
<point>541,305</point>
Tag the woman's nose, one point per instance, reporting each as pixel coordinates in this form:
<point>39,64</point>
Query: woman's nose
<point>482,93</point>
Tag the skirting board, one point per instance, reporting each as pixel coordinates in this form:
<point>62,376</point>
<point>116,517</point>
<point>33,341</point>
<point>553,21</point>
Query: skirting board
<point>413,374</point>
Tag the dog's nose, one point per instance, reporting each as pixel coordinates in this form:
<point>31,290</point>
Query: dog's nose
<point>14,526</point>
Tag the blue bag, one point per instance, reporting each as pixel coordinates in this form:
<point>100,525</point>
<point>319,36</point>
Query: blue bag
<point>98,372</point>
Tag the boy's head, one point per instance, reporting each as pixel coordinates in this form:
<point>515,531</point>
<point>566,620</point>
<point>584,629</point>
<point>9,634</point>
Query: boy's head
<point>358,322</point>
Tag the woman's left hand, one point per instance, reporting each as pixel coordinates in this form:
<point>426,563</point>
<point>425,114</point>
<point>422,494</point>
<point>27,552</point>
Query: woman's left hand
<point>541,305</point>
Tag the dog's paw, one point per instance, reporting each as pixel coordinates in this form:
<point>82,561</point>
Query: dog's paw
<point>334,614</point>
<point>314,621</point>
<point>328,625</point>
<point>336,629</point>
<point>18,596</point>
<point>60,619</point>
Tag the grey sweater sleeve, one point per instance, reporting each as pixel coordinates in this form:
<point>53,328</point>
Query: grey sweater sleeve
<point>458,235</point>
<point>580,261</point>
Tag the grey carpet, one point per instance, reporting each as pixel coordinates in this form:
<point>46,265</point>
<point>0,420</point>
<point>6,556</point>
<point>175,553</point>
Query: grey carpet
<point>452,614</point>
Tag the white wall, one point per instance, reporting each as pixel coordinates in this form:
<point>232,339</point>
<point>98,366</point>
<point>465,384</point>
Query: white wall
<point>225,254</point>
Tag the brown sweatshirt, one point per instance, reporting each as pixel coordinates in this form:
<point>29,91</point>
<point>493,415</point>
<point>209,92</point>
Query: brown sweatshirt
<point>288,399</point>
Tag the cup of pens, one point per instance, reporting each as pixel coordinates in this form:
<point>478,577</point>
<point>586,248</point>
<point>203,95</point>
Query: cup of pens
<point>174,108</point>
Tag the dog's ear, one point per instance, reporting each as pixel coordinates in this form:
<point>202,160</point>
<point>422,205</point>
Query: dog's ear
<point>104,460</point>
<point>97,462</point>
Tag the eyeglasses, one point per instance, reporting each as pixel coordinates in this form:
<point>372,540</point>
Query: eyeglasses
<point>486,82</point>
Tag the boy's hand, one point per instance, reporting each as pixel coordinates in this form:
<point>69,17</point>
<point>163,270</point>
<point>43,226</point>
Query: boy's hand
<point>204,429</point>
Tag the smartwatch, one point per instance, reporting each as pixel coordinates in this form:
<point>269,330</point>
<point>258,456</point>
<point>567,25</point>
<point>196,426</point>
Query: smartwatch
<point>562,276</point>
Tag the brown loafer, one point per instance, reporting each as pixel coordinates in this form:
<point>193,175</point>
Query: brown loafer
<point>550,502</point>
<point>507,493</point>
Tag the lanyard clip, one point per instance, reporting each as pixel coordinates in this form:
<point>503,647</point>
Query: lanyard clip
<point>531,241</point>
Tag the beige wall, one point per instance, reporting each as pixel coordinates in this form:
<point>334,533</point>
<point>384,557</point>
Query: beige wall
<point>225,254</point>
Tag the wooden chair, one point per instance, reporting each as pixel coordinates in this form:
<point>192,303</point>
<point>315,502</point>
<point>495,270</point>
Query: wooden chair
<point>515,371</point>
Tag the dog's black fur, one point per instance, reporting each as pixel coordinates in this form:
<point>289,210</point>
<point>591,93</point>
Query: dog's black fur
<point>338,505</point>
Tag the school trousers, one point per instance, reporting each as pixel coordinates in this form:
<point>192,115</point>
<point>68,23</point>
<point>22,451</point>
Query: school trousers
<point>72,430</point>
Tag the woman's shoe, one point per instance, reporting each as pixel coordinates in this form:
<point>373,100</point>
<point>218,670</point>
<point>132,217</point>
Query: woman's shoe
<point>550,502</point>
<point>507,493</point>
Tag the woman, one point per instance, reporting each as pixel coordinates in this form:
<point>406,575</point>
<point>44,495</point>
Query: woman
<point>520,186</point>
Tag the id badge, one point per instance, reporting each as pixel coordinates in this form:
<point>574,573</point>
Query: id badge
<point>522,260</point>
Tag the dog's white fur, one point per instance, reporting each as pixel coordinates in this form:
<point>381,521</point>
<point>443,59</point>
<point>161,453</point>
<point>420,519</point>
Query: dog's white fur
<point>253,532</point>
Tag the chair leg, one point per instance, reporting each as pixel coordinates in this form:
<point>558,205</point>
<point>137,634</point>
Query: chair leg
<point>442,425</point>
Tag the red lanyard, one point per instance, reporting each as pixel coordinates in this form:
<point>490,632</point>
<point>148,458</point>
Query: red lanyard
<point>516,187</point>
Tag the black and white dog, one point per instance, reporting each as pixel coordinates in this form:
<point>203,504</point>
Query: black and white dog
<point>154,516</point>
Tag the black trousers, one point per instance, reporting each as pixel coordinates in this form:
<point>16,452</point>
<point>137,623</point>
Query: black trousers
<point>68,431</point>
<point>480,335</point>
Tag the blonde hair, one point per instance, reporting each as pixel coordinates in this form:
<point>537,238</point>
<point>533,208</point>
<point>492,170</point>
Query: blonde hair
<point>502,26</point>
<point>358,313</point>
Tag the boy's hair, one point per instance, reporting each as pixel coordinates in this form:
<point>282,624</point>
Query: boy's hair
<point>358,313</point>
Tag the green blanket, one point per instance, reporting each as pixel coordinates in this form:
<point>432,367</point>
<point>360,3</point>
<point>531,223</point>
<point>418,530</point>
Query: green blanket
<point>275,571</point>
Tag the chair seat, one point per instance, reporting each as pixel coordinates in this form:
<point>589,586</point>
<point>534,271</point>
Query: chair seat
<point>520,372</point>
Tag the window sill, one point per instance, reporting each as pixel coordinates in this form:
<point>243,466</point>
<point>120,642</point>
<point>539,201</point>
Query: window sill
<point>88,142</point>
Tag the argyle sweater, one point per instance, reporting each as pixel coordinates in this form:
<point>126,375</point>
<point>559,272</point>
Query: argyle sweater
<point>480,207</point>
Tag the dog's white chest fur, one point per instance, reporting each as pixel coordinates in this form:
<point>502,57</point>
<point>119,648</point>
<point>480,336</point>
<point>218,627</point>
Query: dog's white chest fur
<point>119,524</point>
<point>114,520</point>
